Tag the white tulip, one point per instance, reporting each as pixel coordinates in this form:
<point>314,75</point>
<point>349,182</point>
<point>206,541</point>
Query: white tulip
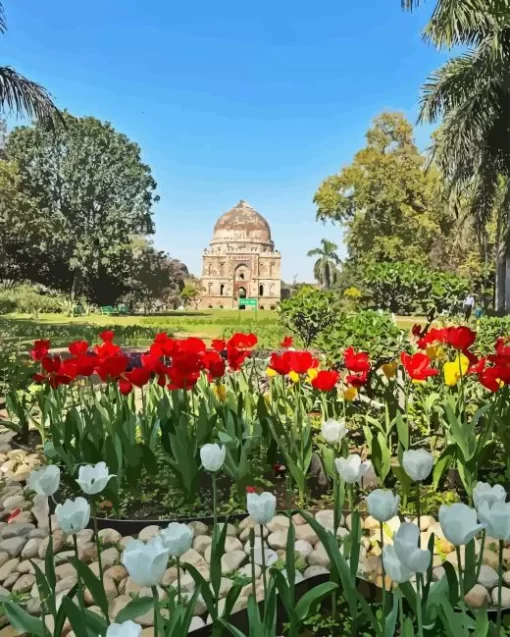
<point>393,567</point>
<point>459,523</point>
<point>213,456</point>
<point>94,478</point>
<point>261,507</point>
<point>351,469</point>
<point>126,629</point>
<point>405,541</point>
<point>334,431</point>
<point>497,519</point>
<point>73,516</point>
<point>146,563</point>
<point>382,504</point>
<point>418,464</point>
<point>45,481</point>
<point>177,538</point>
<point>483,492</point>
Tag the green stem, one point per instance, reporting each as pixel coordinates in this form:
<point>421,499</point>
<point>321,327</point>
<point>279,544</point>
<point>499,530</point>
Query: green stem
<point>178,559</point>
<point>252,551</point>
<point>482,549</point>
<point>401,611</point>
<point>383,573</point>
<point>462,591</point>
<point>80,584</point>
<point>96,536</point>
<point>351,499</point>
<point>155,594</point>
<point>418,512</point>
<point>264,578</point>
<point>500,587</point>
<point>419,588</point>
<point>215,513</point>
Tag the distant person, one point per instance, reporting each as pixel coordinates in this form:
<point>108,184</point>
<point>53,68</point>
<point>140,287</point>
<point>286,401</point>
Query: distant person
<point>469,304</point>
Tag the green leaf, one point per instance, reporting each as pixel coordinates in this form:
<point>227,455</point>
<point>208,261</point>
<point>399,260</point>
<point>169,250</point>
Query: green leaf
<point>453,583</point>
<point>135,608</point>
<point>21,620</point>
<point>93,583</point>
<point>402,431</point>
<point>49,564</point>
<point>390,621</point>
<point>75,616</point>
<point>45,591</point>
<point>305,605</point>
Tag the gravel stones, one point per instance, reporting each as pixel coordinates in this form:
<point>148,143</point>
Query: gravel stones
<point>13,546</point>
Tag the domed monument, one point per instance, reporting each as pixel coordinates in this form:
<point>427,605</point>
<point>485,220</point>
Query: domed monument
<point>241,262</point>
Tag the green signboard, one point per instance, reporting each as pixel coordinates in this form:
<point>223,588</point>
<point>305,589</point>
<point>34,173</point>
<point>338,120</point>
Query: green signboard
<point>247,302</point>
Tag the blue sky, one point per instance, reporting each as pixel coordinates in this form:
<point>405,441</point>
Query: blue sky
<point>230,100</point>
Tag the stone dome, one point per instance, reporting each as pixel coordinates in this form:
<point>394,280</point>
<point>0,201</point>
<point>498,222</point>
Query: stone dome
<point>242,224</point>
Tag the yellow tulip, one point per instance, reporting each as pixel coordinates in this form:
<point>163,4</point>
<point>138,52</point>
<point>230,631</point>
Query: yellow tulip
<point>313,372</point>
<point>220,392</point>
<point>350,394</point>
<point>435,352</point>
<point>271,372</point>
<point>454,370</point>
<point>390,369</point>
<point>294,377</point>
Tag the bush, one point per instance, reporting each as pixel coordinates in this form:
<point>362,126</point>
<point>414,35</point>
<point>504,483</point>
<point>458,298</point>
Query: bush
<point>489,329</point>
<point>308,313</point>
<point>27,298</point>
<point>407,288</point>
<point>370,331</point>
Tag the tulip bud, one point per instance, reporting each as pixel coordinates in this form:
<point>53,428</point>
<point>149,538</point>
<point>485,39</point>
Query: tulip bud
<point>394,568</point>
<point>73,516</point>
<point>93,479</point>
<point>334,431</point>
<point>382,505</point>
<point>497,519</point>
<point>406,541</point>
<point>261,507</point>
<point>126,629</point>
<point>418,464</point>
<point>351,469</point>
<point>45,481</point>
<point>483,492</point>
<point>177,538</point>
<point>146,563</point>
<point>459,523</point>
<point>213,456</point>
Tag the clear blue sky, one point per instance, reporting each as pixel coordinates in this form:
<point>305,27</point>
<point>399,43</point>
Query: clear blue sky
<point>229,100</point>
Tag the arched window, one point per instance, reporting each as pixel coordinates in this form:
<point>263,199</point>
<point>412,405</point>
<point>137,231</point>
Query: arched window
<point>261,290</point>
<point>222,289</point>
<point>241,275</point>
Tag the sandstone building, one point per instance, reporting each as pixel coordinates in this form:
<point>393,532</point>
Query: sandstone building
<point>241,261</point>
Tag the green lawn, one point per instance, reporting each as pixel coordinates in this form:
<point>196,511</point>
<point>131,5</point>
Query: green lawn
<point>140,329</point>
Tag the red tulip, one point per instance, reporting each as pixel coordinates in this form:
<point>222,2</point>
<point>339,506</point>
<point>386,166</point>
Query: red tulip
<point>236,358</point>
<point>301,362</point>
<point>460,337</point>
<point>287,342</point>
<point>242,341</point>
<point>112,367</point>
<point>40,349</point>
<point>356,362</point>
<point>417,329</point>
<point>326,380</point>
<point>214,364</point>
<point>78,348</point>
<point>219,344</point>
<point>357,380</point>
<point>107,336</point>
<point>418,366</point>
<point>280,364</point>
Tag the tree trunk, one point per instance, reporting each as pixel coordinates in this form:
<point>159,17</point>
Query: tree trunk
<point>75,287</point>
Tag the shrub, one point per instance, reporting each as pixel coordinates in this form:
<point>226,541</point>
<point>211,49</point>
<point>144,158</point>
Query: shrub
<point>370,331</point>
<point>308,313</point>
<point>407,288</point>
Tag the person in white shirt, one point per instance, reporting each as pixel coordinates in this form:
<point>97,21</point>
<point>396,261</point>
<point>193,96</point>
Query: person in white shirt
<point>469,304</point>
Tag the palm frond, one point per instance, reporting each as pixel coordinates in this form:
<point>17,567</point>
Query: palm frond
<point>3,25</point>
<point>19,95</point>
<point>461,22</point>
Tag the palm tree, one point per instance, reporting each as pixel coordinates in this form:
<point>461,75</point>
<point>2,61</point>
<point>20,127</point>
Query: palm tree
<point>471,95</point>
<point>22,96</point>
<point>325,268</point>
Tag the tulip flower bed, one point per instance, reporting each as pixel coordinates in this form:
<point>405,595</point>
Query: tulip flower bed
<point>385,439</point>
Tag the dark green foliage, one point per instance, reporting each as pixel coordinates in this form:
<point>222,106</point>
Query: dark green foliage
<point>308,313</point>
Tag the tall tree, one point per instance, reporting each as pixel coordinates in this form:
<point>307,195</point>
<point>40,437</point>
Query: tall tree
<point>325,269</point>
<point>90,184</point>
<point>22,96</point>
<point>386,200</point>
<point>471,94</point>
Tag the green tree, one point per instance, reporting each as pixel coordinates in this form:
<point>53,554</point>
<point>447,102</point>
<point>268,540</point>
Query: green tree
<point>190,294</point>
<point>21,96</point>
<point>90,185</point>
<point>386,200</point>
<point>325,269</point>
<point>471,95</point>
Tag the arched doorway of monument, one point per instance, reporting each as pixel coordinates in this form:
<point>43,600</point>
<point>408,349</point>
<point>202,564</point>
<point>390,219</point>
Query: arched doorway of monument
<point>241,292</point>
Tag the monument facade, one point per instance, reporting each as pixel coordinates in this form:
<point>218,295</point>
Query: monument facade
<point>241,262</point>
